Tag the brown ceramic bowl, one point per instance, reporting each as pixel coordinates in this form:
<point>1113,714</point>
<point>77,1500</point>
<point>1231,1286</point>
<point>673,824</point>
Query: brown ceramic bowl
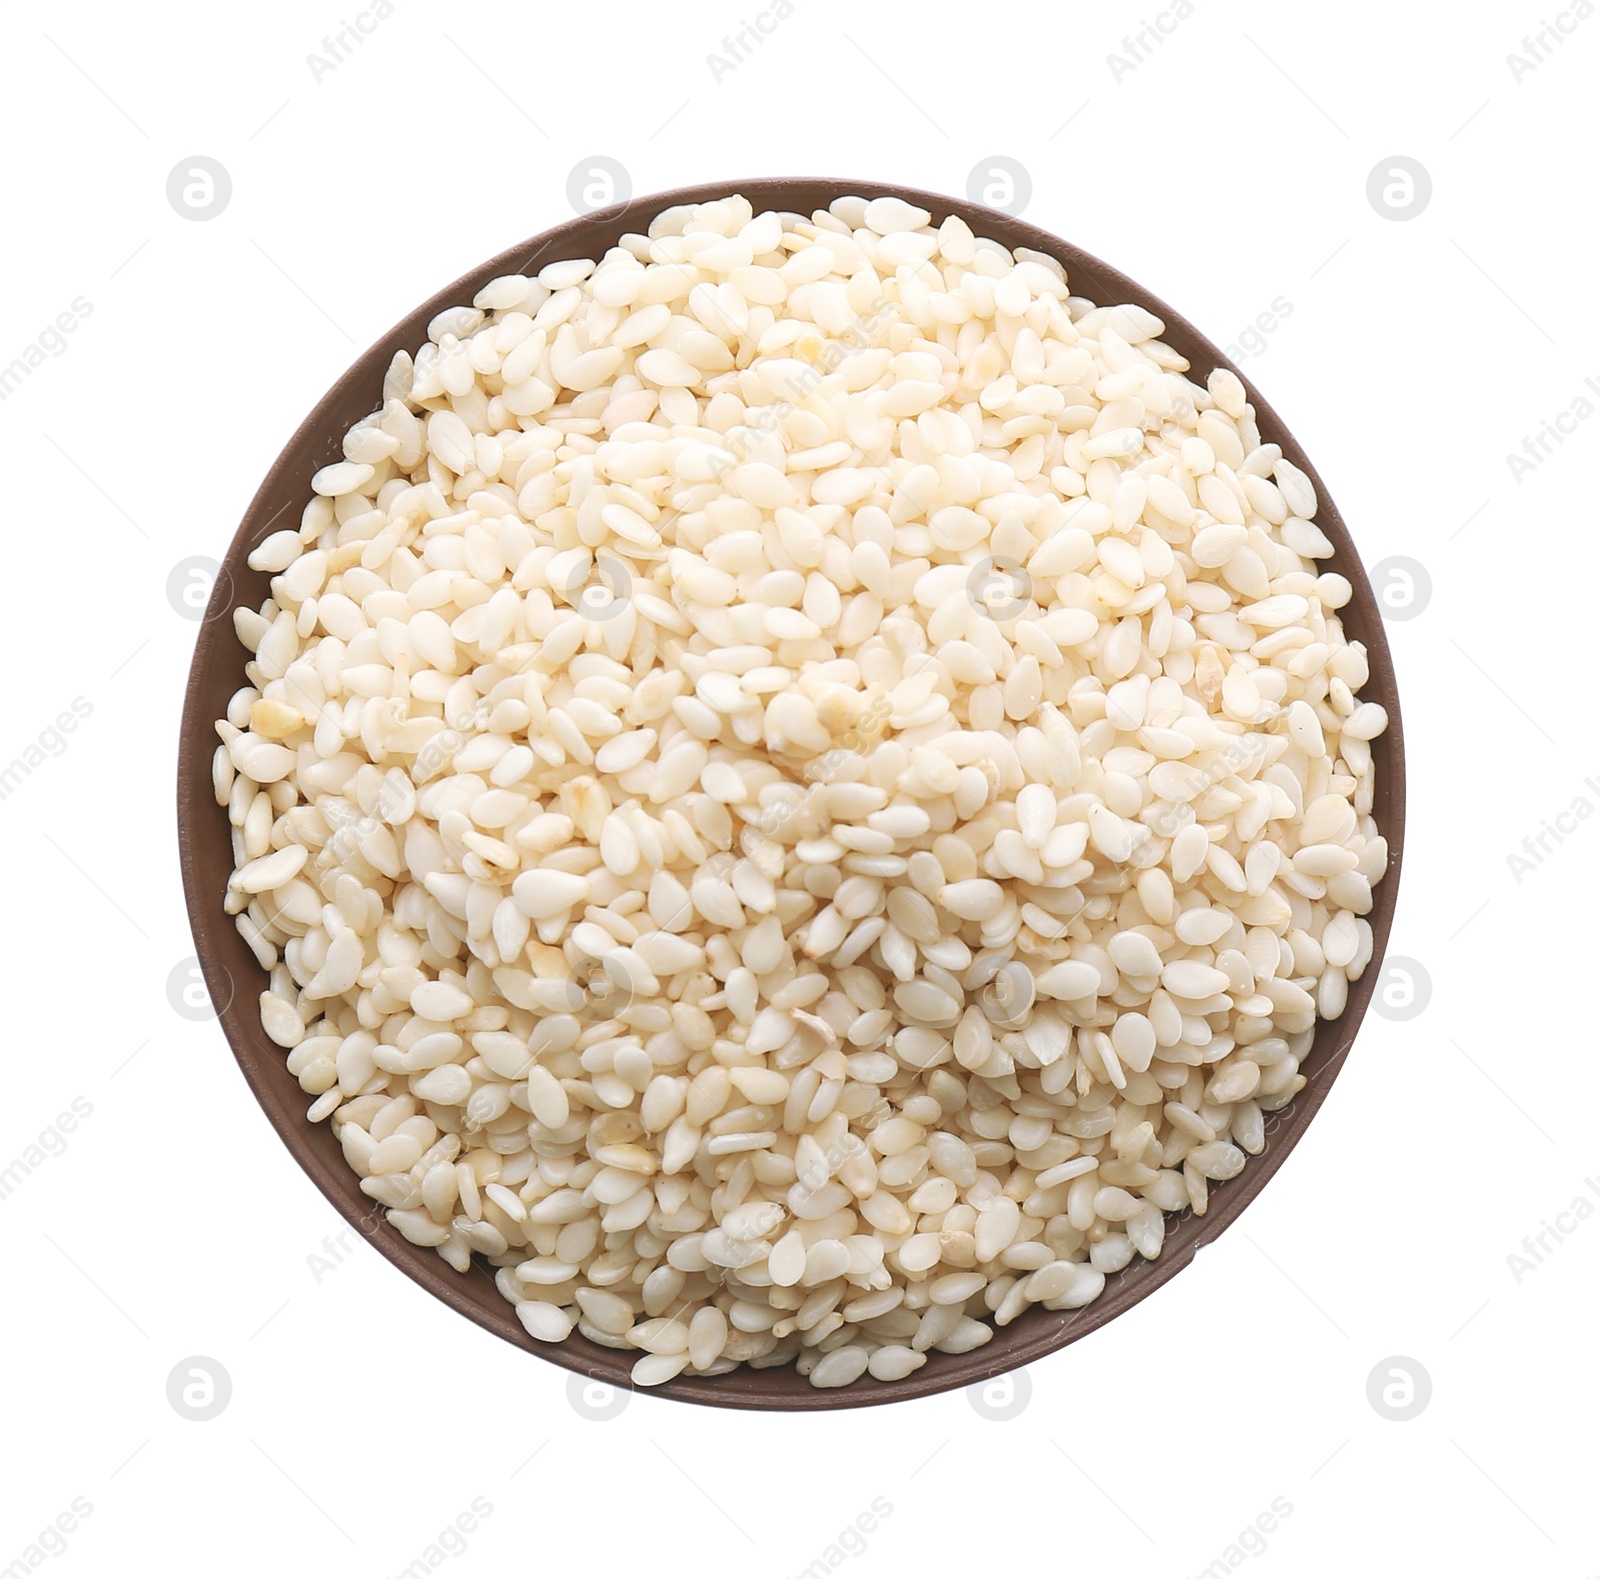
<point>235,978</point>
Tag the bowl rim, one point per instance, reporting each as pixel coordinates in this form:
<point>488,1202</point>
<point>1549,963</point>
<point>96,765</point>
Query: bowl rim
<point>218,664</point>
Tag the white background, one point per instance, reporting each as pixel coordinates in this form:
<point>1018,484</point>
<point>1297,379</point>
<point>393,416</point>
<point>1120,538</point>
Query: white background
<point>1225,171</point>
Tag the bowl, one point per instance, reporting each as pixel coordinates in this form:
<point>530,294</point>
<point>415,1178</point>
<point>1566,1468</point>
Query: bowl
<point>234,977</point>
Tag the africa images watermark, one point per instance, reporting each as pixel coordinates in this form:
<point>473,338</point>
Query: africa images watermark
<point>1252,339</point>
<point>51,741</point>
<point>739,47</point>
<point>1173,817</point>
<point>1538,1248</point>
<point>1138,47</point>
<point>450,1542</point>
<point>50,1142</point>
<point>335,1251</point>
<point>339,47</point>
<point>1538,47</point>
<point>51,1541</point>
<point>1553,432</point>
<point>850,1542</point>
<point>1553,832</point>
<point>350,831</point>
<point>800,386</point>
<point>1251,1540</point>
<point>51,341</point>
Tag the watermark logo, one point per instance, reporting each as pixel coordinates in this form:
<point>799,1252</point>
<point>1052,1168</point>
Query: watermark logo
<point>199,1388</point>
<point>187,992</point>
<point>1399,187</point>
<point>598,182</point>
<point>199,187</point>
<point>1403,586</point>
<point>1404,988</point>
<point>189,585</point>
<point>1008,995</point>
<point>1399,1388</point>
<point>602,596</point>
<point>999,588</point>
<point>595,1399</point>
<point>1000,182</point>
<point>600,990</point>
<point>1001,1397</point>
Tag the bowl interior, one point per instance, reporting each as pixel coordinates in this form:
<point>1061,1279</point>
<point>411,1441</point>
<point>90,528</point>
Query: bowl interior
<point>234,978</point>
